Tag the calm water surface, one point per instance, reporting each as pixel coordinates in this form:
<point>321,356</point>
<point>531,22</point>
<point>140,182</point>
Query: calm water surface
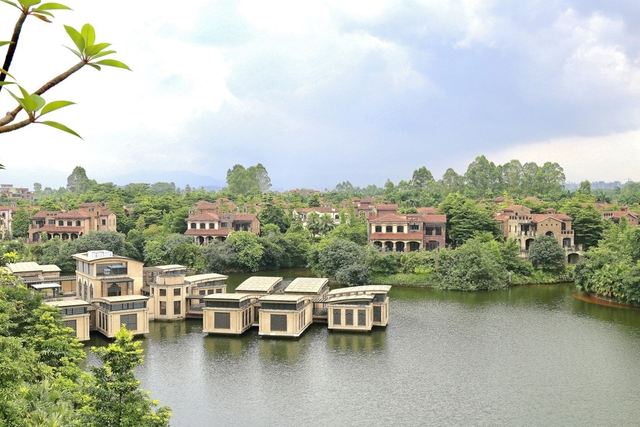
<point>529,356</point>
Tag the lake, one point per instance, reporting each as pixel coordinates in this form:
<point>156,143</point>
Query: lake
<point>527,356</point>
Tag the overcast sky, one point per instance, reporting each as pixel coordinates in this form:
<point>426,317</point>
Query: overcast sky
<point>323,92</point>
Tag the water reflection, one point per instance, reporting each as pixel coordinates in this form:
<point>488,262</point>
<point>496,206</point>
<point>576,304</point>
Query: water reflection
<point>230,347</point>
<point>358,342</point>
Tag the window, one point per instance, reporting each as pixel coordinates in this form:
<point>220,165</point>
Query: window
<point>438,231</point>
<point>279,322</point>
<point>163,308</point>
<point>222,320</point>
<point>336,316</point>
<point>69,223</point>
<point>130,321</point>
<point>176,307</point>
<point>348,317</point>
<point>389,229</point>
<point>202,293</point>
<point>378,229</point>
<point>377,313</point>
<point>362,317</point>
<point>414,227</point>
<point>192,225</point>
<point>73,324</point>
<point>104,222</point>
<point>61,223</point>
<point>163,292</point>
<point>428,231</point>
<point>52,222</point>
<point>224,224</point>
<point>203,225</point>
<point>400,229</point>
<point>176,292</point>
<point>78,224</point>
<point>212,226</point>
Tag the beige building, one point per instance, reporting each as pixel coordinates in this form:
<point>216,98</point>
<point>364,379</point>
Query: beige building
<point>343,305</point>
<point>175,296</point>
<point>316,289</point>
<point>72,224</point>
<point>75,315</point>
<point>519,223</point>
<point>208,222</point>
<point>44,278</point>
<point>102,274</point>
<point>284,315</point>
<point>129,310</point>
<point>229,313</point>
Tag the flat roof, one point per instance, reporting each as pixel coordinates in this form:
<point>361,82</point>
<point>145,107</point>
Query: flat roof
<point>282,298</point>
<point>48,268</point>
<point>226,297</point>
<point>101,256</point>
<point>307,285</point>
<point>350,298</point>
<point>166,268</point>
<point>45,285</point>
<point>259,284</point>
<point>205,277</point>
<point>364,289</point>
<point>123,298</point>
<point>68,303</point>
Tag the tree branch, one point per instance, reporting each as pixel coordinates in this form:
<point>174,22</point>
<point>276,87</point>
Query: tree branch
<point>15,126</point>
<point>11,115</point>
<point>12,46</point>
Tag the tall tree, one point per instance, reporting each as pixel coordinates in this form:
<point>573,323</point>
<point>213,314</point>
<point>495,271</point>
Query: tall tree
<point>422,179</point>
<point>546,253</point>
<point>20,223</point>
<point>114,395</point>
<point>78,182</point>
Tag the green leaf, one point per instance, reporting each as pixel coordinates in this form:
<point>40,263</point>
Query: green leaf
<point>4,43</point>
<point>97,67</point>
<point>75,52</point>
<point>61,127</point>
<point>38,100</point>
<point>89,34</point>
<point>42,17</point>
<point>11,3</point>
<point>103,53</point>
<point>55,105</point>
<point>28,3</point>
<point>20,100</point>
<point>113,63</point>
<point>6,83</point>
<point>96,48</point>
<point>51,6</point>
<point>30,104</point>
<point>77,38</point>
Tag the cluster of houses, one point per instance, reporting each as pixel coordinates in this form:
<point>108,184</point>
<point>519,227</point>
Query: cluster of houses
<point>109,290</point>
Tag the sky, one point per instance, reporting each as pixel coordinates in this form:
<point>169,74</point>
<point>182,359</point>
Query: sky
<point>322,92</point>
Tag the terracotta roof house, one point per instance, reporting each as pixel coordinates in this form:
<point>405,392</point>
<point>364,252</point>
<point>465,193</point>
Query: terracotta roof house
<point>615,216</point>
<point>205,224</point>
<point>408,232</point>
<point>519,223</point>
<point>72,224</point>
<point>303,213</point>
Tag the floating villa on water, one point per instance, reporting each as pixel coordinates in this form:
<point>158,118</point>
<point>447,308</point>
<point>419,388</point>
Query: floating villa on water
<point>229,313</point>
<point>285,315</point>
<point>358,308</point>
<point>75,315</point>
<point>128,310</point>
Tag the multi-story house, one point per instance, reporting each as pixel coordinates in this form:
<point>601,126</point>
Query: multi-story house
<point>303,214</point>
<point>72,224</point>
<point>113,285</point>
<point>407,232</point>
<point>206,223</point>
<point>16,193</point>
<point>6,215</point>
<point>519,223</point>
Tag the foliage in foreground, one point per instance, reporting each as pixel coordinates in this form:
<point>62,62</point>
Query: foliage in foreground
<point>612,269</point>
<point>41,382</point>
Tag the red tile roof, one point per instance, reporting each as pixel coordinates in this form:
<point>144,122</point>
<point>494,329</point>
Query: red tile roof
<point>205,216</point>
